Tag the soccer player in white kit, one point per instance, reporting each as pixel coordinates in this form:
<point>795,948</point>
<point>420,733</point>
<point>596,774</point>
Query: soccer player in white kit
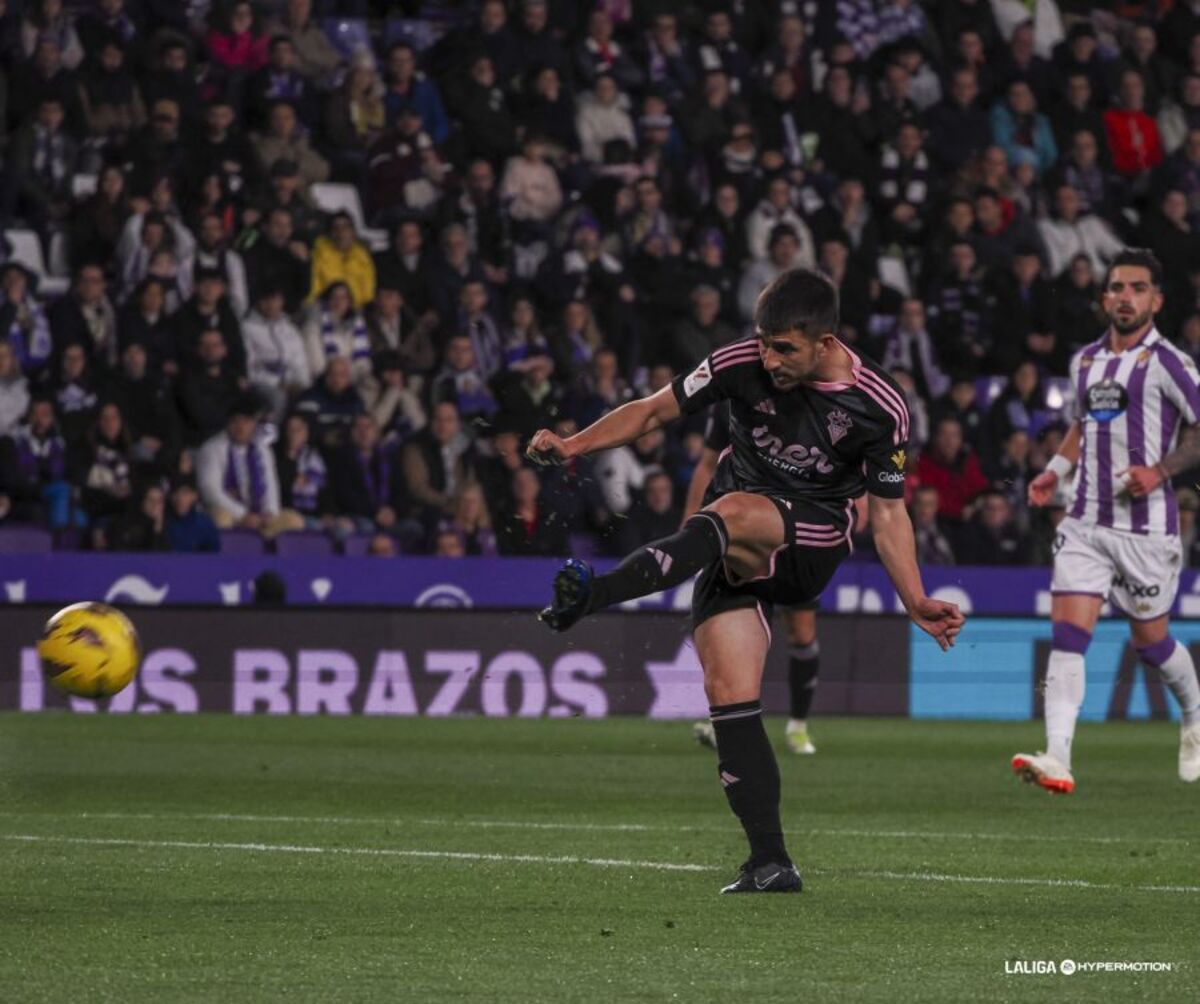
<point>1134,395</point>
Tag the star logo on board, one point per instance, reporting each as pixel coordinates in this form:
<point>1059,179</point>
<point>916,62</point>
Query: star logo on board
<point>899,458</point>
<point>678,686</point>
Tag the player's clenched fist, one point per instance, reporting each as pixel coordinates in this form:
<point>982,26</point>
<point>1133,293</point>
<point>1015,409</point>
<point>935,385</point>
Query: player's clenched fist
<point>1041,488</point>
<point>547,448</point>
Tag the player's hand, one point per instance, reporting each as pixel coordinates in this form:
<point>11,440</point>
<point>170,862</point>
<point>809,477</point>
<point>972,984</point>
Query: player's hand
<point>1041,488</point>
<point>939,619</point>
<point>547,448</point>
<point>1140,481</point>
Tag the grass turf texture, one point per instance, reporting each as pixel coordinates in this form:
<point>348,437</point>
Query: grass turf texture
<point>884,802</point>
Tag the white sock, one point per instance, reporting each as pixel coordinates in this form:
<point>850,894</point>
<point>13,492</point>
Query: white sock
<point>1064,696</point>
<point>1179,673</point>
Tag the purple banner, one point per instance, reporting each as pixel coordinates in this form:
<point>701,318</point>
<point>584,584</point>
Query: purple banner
<point>488,583</point>
<point>345,662</point>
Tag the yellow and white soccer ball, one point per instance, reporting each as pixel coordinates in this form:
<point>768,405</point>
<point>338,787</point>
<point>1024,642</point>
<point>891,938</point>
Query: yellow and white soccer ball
<point>89,650</point>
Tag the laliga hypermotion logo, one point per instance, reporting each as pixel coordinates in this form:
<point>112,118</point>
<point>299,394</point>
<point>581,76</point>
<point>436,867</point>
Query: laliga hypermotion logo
<point>445,595</point>
<point>135,589</point>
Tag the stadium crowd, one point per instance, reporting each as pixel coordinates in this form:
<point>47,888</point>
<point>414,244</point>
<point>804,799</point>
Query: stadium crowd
<point>330,264</point>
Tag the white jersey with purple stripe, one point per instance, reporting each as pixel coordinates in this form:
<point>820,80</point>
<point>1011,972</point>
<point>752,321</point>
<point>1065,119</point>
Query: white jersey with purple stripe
<point>1131,406</point>
<point>818,444</point>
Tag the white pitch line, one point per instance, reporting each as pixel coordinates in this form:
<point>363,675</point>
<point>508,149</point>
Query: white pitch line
<point>391,852</point>
<point>993,880</point>
<point>29,838</point>
<point>525,824</point>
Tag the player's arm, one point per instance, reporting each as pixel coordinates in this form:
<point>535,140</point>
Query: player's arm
<point>620,426</point>
<point>897,550</point>
<point>1041,488</point>
<point>706,468</point>
<point>1143,480</point>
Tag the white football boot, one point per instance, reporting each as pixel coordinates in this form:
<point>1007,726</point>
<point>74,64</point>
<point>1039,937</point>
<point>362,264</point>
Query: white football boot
<point>1045,770</point>
<point>705,734</point>
<point>1189,752</point>
<point>797,737</point>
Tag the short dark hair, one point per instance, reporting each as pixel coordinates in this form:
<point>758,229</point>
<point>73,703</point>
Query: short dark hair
<point>798,300</point>
<point>1139,258</point>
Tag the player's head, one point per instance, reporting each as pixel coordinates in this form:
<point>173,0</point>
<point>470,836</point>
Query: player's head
<point>796,321</point>
<point>1132,290</point>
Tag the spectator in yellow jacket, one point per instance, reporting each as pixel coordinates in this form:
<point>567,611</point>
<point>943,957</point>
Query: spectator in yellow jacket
<point>342,257</point>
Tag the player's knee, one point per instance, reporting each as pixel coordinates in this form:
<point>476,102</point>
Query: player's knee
<point>1068,637</point>
<point>1157,652</point>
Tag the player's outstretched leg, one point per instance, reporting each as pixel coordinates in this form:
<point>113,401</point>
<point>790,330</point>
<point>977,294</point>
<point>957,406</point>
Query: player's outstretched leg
<point>732,647</point>
<point>660,565</point>
<point>1064,697</point>
<point>1178,671</point>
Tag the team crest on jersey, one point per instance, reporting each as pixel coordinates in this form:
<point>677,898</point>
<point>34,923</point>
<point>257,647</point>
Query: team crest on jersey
<point>899,458</point>
<point>698,379</point>
<point>1106,400</point>
<point>838,423</point>
<point>1143,358</point>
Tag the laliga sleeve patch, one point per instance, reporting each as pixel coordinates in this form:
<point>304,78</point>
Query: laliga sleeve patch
<point>698,379</point>
<point>1106,400</point>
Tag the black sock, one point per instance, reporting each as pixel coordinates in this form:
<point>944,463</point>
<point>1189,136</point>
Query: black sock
<point>663,563</point>
<point>750,775</point>
<point>803,663</point>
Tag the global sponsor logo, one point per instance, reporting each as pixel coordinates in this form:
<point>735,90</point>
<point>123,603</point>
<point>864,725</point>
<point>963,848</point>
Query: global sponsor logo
<point>796,459</point>
<point>891,477</point>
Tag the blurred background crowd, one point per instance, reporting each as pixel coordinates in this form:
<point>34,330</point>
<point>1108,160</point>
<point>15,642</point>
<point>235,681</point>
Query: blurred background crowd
<point>302,270</point>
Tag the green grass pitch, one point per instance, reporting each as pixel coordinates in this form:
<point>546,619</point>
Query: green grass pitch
<point>223,859</point>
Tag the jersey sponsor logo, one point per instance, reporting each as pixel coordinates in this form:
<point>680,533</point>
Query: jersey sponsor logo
<point>795,458</point>
<point>838,423</point>
<point>899,458</point>
<point>890,477</point>
<point>698,379</point>
<point>1106,400</point>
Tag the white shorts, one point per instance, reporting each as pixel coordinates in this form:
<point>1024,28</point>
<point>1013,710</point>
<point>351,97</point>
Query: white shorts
<point>1138,572</point>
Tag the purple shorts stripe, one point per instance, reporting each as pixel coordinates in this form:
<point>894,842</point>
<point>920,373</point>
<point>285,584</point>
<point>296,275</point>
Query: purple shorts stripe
<point>1104,467</point>
<point>1139,510</point>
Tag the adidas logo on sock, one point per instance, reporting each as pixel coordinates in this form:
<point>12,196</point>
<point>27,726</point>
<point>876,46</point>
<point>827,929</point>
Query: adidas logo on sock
<point>727,779</point>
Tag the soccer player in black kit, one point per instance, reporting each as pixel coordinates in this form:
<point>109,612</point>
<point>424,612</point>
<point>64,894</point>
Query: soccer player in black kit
<point>813,425</point>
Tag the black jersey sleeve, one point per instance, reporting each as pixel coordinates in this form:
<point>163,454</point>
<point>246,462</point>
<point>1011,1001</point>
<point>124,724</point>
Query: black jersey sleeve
<point>718,377</point>
<point>716,428</point>
<point>885,455</point>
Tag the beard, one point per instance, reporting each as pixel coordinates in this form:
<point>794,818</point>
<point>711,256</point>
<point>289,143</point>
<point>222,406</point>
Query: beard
<point>1129,324</point>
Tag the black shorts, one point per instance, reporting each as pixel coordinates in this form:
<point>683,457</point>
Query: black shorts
<point>797,576</point>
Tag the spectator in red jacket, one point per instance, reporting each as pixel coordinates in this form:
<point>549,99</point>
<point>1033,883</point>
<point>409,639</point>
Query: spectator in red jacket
<point>953,469</point>
<point>1132,134</point>
<point>236,42</point>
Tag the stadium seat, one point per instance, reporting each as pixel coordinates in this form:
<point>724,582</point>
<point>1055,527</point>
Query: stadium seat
<point>988,388</point>
<point>418,33</point>
<point>584,545</point>
<point>25,540</point>
<point>244,542</point>
<point>27,249</point>
<point>357,545</point>
<point>303,542</point>
<point>1058,392</point>
<point>893,273</point>
<point>333,197</point>
<point>349,35</point>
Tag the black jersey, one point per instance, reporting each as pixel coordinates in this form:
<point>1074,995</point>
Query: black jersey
<point>822,444</point>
